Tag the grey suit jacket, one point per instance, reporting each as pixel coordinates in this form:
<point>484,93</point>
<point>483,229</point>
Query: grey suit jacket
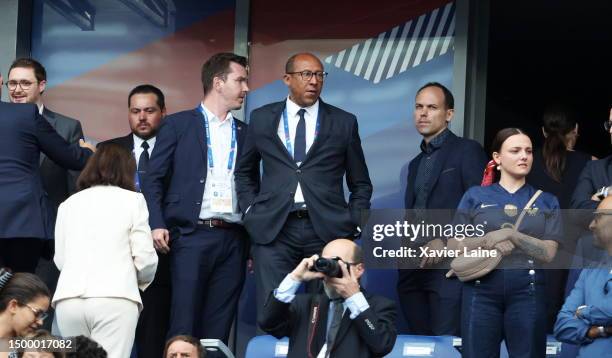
<point>58,182</point>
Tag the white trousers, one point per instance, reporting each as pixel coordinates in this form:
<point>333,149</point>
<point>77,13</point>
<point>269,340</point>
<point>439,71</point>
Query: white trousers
<point>109,321</point>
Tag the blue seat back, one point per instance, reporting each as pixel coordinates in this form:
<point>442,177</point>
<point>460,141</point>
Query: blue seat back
<point>267,347</point>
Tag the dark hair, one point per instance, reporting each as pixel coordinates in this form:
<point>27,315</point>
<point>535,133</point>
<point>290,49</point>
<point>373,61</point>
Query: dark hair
<point>146,89</point>
<point>39,71</point>
<point>557,122</point>
<point>85,347</point>
<point>219,66</point>
<point>291,60</point>
<point>449,100</point>
<point>42,335</point>
<point>23,287</point>
<point>188,339</point>
<point>112,164</point>
<point>500,138</point>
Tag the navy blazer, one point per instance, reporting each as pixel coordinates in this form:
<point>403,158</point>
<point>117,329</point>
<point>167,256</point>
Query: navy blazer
<point>24,205</point>
<point>595,175</point>
<point>174,184</point>
<point>304,321</point>
<point>459,165</point>
<point>336,151</point>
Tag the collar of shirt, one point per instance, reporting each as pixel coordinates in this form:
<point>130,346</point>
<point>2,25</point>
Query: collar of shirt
<point>435,143</point>
<point>212,118</point>
<point>525,189</point>
<point>41,109</point>
<point>138,143</point>
<point>293,108</point>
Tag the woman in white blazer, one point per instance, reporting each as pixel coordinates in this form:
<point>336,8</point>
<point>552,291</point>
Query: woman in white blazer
<point>104,250</point>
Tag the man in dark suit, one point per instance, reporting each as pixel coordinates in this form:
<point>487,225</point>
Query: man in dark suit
<point>343,322</point>
<point>595,181</point>
<point>437,178</point>
<point>195,216</point>
<point>146,110</point>
<point>306,146</point>
<point>27,80</point>
<point>25,218</point>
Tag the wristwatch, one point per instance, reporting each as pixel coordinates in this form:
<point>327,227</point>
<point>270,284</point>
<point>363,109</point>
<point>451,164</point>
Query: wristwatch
<point>579,310</point>
<point>601,330</point>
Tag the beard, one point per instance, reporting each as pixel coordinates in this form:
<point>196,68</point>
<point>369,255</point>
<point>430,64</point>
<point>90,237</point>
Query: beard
<point>330,292</point>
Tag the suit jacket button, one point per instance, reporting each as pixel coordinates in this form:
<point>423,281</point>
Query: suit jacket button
<point>202,181</point>
<point>198,203</point>
<point>299,171</point>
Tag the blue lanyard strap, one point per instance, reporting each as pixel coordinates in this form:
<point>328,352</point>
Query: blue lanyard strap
<point>230,160</point>
<point>288,144</point>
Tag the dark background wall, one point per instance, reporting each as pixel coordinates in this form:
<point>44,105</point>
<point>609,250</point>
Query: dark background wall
<point>550,51</point>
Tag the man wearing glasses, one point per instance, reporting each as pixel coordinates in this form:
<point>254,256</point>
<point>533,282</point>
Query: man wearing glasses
<point>343,322</point>
<point>586,316</point>
<point>307,147</point>
<point>27,80</point>
<point>25,220</point>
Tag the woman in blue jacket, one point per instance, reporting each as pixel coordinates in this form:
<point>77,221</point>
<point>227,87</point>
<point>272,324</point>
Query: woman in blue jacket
<point>509,302</point>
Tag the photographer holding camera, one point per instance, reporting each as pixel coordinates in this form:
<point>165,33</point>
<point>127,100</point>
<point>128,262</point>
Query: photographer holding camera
<point>345,321</point>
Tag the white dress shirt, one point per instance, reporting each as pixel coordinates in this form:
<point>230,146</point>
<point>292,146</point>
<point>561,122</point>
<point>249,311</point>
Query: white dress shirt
<point>103,245</point>
<point>137,150</point>
<point>221,143</point>
<point>293,118</point>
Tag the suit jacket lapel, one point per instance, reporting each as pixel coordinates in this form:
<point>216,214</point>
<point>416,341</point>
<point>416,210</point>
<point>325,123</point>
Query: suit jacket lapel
<point>412,169</point>
<point>129,142</point>
<point>440,162</point>
<point>276,114</point>
<point>50,117</point>
<point>240,135</point>
<point>199,124</point>
<point>324,128</point>
<point>344,327</point>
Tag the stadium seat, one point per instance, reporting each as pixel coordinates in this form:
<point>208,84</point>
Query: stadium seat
<point>553,348</point>
<point>425,346</point>
<point>267,347</point>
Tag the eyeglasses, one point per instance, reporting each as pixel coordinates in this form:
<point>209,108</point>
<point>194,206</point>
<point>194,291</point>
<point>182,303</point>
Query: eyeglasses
<point>38,314</point>
<point>307,75</point>
<point>608,125</point>
<point>24,84</point>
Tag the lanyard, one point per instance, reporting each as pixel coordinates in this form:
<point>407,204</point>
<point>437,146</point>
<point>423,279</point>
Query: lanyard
<point>288,144</point>
<point>230,160</point>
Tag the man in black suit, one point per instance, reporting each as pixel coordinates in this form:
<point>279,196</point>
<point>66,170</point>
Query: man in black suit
<point>343,322</point>
<point>146,110</point>
<point>307,147</point>
<point>25,218</point>
<point>437,179</point>
<point>193,208</point>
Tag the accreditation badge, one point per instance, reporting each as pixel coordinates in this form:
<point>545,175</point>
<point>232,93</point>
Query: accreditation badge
<point>221,200</point>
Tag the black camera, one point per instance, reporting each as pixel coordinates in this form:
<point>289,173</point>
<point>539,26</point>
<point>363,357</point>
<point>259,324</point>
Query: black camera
<point>328,267</point>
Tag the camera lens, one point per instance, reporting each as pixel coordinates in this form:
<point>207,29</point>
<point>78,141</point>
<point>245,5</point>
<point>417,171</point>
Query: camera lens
<point>328,267</point>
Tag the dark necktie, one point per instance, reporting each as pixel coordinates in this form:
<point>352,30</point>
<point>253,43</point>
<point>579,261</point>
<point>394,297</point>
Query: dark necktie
<point>143,161</point>
<point>299,151</point>
<point>332,331</point>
